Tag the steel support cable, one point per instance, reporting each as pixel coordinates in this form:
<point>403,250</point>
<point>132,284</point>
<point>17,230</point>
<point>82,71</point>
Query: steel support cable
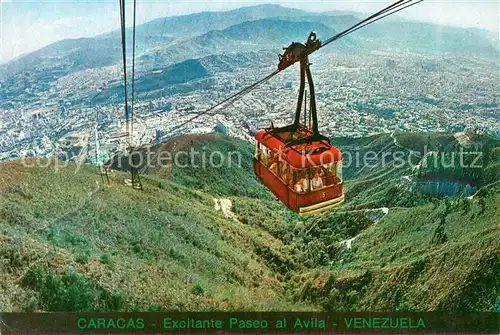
<point>364,22</point>
<point>124,54</point>
<point>371,17</point>
<point>238,97</point>
<point>400,9</point>
<point>232,98</point>
<point>133,82</point>
<point>408,3</point>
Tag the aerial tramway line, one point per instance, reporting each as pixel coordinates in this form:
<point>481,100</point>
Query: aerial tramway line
<point>135,180</point>
<point>295,162</point>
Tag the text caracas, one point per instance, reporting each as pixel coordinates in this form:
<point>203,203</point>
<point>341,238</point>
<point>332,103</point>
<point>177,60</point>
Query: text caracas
<point>110,323</point>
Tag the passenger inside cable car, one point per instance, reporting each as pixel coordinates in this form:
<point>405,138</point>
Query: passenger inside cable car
<point>317,181</point>
<point>302,184</point>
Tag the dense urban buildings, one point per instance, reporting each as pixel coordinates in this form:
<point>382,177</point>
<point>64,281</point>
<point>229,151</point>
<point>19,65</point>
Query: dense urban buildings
<point>79,114</point>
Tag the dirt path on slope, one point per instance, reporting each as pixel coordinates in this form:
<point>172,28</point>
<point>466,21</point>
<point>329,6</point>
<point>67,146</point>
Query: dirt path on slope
<point>225,206</point>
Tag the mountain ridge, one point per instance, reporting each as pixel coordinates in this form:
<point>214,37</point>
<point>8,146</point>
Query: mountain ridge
<point>393,34</point>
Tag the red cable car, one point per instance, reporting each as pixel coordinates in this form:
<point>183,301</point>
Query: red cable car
<point>298,164</point>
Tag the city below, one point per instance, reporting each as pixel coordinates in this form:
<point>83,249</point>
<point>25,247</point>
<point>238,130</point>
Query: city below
<point>78,114</point>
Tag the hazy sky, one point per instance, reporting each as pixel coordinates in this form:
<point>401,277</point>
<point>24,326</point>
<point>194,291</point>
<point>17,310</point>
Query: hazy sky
<point>26,25</point>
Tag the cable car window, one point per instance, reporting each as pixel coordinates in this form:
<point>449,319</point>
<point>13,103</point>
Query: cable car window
<point>309,176</point>
<point>289,176</point>
<point>339,172</point>
<point>273,159</point>
<point>282,170</point>
<point>274,167</point>
<point>265,155</point>
<point>294,179</point>
<point>329,174</point>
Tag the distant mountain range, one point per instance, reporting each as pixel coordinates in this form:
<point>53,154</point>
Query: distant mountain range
<point>199,23</point>
<point>250,36</point>
<point>165,41</point>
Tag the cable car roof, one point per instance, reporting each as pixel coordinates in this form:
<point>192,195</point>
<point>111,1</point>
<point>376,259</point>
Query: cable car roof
<point>301,156</point>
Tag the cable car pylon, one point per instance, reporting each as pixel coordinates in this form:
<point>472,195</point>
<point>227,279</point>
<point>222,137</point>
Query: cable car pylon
<point>135,180</point>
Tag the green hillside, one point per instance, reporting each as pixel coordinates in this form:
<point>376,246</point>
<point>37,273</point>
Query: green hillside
<point>68,243</point>
<point>431,167</point>
<point>443,255</point>
<point>230,175</point>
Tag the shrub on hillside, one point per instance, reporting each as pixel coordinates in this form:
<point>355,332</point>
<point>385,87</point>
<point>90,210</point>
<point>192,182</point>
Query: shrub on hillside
<point>70,292</point>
